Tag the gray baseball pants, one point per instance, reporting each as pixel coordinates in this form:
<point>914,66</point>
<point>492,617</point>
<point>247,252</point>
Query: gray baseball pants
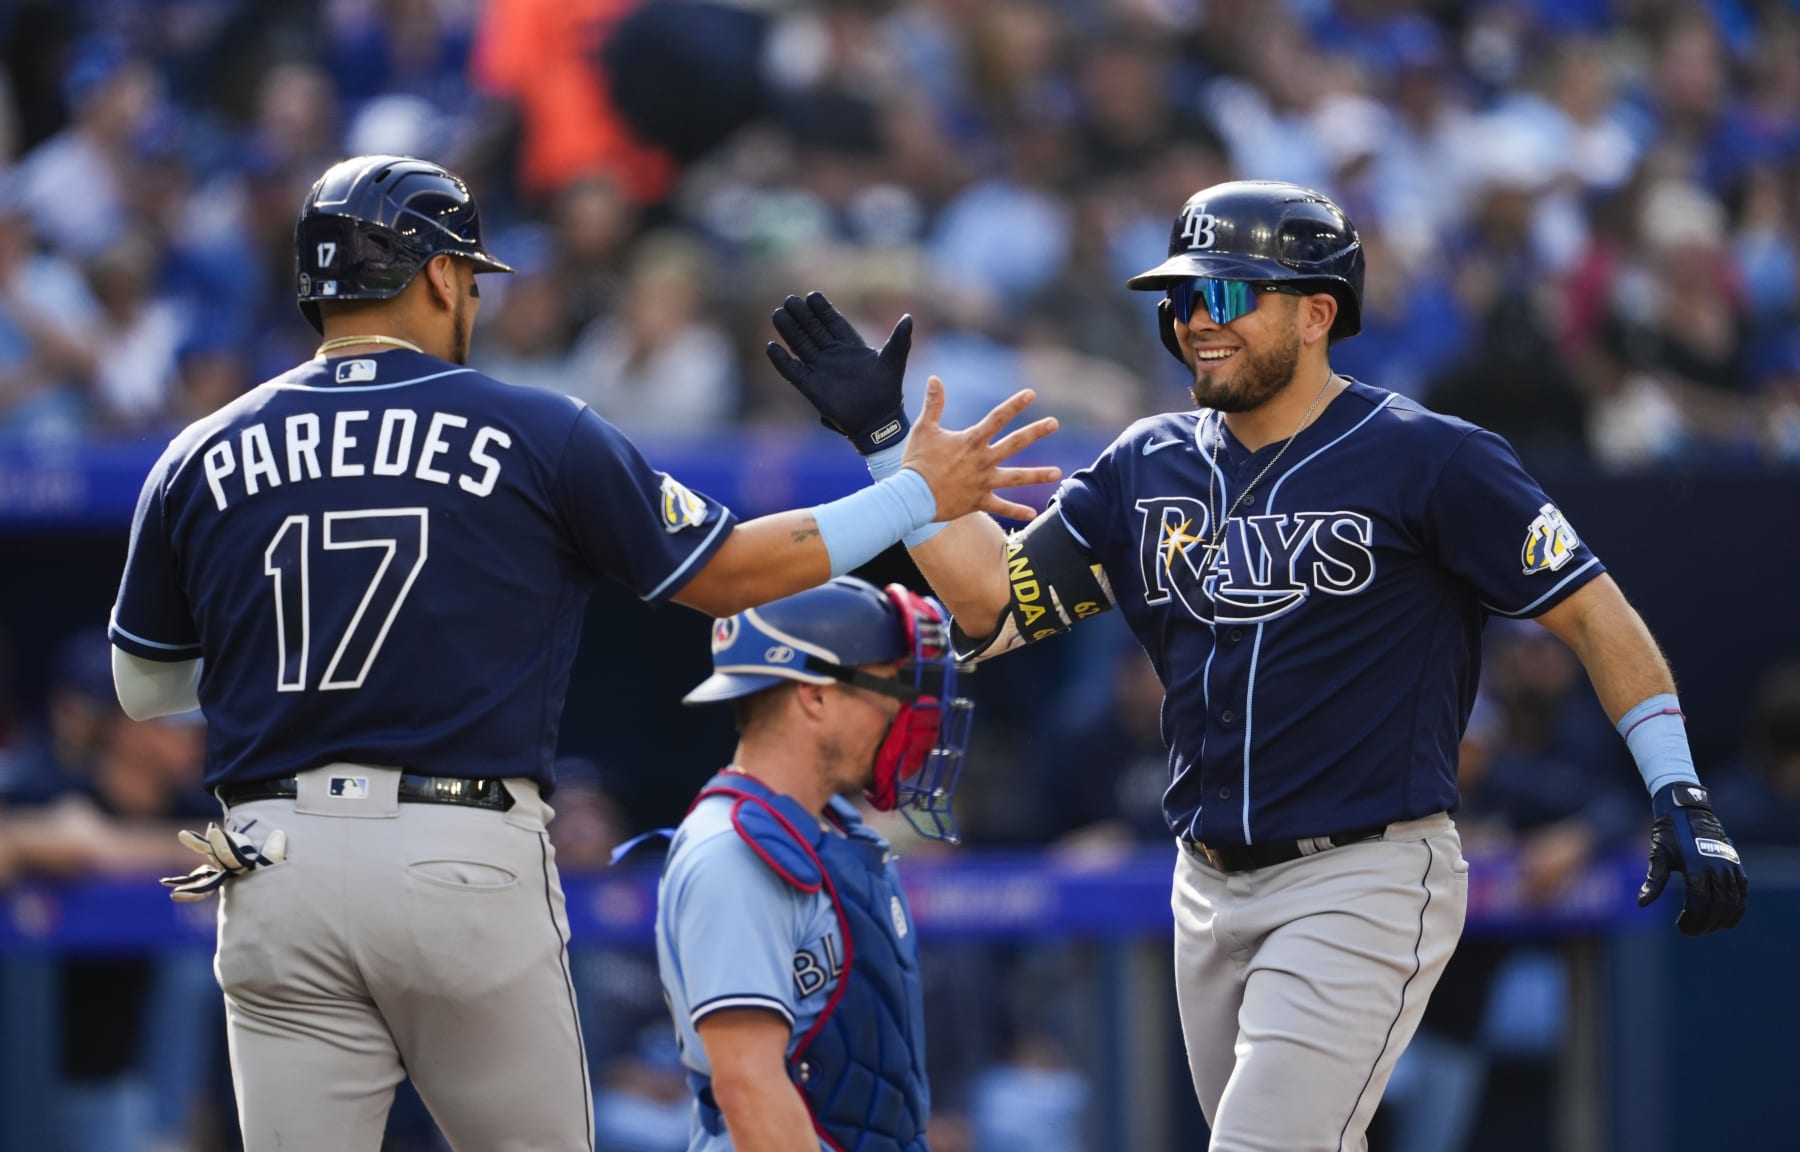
<point>1300,984</point>
<point>397,940</point>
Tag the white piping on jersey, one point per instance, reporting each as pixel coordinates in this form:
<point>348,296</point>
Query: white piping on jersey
<point>136,639</point>
<point>747,1000</point>
<point>368,387</point>
<point>724,519</point>
<point>1256,647</point>
<point>1558,587</point>
<point>1212,459</point>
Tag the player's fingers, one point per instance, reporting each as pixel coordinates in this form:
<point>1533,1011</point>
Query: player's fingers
<point>193,842</point>
<point>933,411</point>
<point>808,322</point>
<point>1002,414</point>
<point>1740,898</point>
<point>831,320</point>
<point>1021,438</point>
<point>792,370</point>
<point>996,505</point>
<point>1654,881</point>
<point>274,849</point>
<point>1025,477</point>
<point>899,342</point>
<point>787,326</point>
<point>1696,906</point>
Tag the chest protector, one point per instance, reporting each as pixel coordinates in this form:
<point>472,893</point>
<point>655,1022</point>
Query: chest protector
<point>861,1066</point>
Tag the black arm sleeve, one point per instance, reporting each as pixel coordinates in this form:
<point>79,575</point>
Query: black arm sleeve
<point>1054,581</point>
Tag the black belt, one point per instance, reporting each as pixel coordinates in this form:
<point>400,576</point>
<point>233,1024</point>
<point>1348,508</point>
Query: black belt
<point>1244,857</point>
<point>414,789</point>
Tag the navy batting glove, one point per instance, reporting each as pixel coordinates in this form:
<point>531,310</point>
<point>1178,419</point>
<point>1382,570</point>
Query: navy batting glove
<point>1687,838</point>
<point>856,389</point>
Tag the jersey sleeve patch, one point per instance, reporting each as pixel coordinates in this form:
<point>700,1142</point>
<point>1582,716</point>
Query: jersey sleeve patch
<point>681,508</point>
<point>1550,542</point>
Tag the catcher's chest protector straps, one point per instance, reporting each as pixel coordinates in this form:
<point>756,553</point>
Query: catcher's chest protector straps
<point>861,1067</point>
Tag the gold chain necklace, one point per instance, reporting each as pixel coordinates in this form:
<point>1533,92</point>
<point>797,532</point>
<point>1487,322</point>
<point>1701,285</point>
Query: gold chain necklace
<point>337,342</point>
<point>1216,529</point>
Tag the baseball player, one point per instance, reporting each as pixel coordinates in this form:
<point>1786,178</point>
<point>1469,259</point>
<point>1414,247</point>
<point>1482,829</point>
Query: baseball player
<point>1308,560</point>
<point>369,573</point>
<point>784,940</point>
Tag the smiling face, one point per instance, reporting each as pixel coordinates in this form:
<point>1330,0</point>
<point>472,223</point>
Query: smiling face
<point>1242,365</point>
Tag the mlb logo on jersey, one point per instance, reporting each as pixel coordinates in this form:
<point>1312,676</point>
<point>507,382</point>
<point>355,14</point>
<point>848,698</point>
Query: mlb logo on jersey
<point>350,787</point>
<point>1549,542</point>
<point>355,371</point>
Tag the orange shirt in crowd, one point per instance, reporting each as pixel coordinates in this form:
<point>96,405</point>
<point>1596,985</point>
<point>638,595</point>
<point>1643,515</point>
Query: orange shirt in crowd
<point>541,55</point>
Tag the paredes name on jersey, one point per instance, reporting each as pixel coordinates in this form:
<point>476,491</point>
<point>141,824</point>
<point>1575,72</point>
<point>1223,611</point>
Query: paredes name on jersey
<point>394,442</point>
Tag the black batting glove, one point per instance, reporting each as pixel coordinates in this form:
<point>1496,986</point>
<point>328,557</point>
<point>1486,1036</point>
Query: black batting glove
<point>1687,838</point>
<point>856,389</point>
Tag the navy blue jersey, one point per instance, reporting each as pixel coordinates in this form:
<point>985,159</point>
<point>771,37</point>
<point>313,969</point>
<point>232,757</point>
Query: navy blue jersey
<point>1319,676</point>
<point>385,560</point>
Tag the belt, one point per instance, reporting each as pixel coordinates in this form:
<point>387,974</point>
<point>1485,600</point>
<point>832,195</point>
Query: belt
<point>1245,857</point>
<point>414,789</point>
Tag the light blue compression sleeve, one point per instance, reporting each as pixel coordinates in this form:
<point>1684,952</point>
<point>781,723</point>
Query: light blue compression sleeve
<point>864,524</point>
<point>887,462</point>
<point>1656,733</point>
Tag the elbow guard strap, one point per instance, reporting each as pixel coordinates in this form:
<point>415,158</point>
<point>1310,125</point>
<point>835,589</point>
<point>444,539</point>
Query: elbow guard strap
<point>1054,582</point>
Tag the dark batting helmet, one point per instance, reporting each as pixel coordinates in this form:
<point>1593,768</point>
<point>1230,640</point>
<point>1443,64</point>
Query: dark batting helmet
<point>1265,231</point>
<point>370,224</point>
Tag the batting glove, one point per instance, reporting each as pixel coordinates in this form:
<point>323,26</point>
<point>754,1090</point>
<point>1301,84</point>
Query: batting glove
<point>856,389</point>
<point>229,852</point>
<point>1687,838</point>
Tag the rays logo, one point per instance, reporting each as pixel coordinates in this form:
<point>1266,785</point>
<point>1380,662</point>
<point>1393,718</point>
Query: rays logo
<point>1198,226</point>
<point>1549,542</point>
<point>1266,567</point>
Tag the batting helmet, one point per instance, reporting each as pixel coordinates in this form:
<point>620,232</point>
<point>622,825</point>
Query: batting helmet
<point>1262,230</point>
<point>370,224</point>
<point>823,635</point>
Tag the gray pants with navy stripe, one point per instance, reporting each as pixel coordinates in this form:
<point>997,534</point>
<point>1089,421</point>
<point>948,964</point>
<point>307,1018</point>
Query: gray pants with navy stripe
<point>398,940</point>
<point>1300,984</point>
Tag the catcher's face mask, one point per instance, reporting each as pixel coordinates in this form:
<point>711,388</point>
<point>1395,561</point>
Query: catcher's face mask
<point>920,761</point>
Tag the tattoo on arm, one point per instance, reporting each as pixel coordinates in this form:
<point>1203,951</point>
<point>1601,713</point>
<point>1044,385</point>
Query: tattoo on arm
<point>801,535</point>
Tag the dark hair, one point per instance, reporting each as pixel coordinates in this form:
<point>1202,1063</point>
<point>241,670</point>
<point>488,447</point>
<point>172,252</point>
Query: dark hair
<point>749,711</point>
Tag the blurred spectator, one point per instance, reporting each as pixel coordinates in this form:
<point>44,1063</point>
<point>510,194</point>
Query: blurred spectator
<point>137,338</point>
<point>661,365</point>
<point>99,793</point>
<point>1108,765</point>
<point>47,321</point>
<point>539,56</point>
<point>526,329</point>
<point>1765,785</point>
<point>75,184</point>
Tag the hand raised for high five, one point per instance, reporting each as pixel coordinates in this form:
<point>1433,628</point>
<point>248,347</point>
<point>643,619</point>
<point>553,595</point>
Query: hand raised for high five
<point>856,389</point>
<point>963,467</point>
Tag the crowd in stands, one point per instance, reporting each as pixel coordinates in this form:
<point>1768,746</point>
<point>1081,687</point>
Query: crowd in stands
<point>1582,217</point>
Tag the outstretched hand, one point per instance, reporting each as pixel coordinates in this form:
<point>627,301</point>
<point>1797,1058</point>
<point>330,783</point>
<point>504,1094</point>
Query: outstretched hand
<point>857,390</point>
<point>964,467</point>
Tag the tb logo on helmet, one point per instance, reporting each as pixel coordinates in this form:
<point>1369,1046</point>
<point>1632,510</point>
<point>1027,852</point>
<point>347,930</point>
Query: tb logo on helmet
<point>1197,226</point>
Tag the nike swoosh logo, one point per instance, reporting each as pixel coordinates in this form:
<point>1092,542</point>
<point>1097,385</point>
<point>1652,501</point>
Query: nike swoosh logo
<point>1159,445</point>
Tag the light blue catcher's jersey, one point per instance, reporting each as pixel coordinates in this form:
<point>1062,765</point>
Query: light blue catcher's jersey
<point>730,933</point>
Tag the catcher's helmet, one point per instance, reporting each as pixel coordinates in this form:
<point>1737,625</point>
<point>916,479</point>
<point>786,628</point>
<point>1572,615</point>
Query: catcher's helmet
<point>370,224</point>
<point>1263,230</point>
<point>843,623</point>
<point>824,634</point>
